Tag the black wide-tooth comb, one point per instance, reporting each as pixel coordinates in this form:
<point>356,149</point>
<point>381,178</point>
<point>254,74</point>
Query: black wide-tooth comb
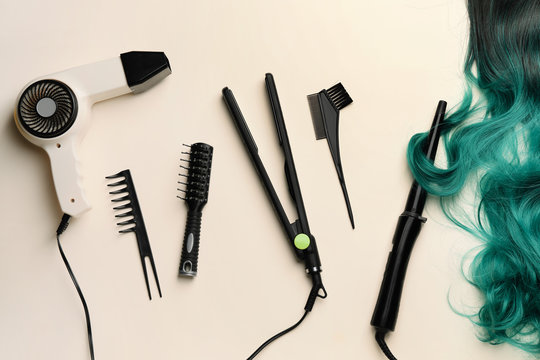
<point>195,196</point>
<point>135,221</point>
<point>324,107</point>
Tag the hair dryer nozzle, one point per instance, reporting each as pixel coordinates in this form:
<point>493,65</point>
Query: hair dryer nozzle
<point>144,69</point>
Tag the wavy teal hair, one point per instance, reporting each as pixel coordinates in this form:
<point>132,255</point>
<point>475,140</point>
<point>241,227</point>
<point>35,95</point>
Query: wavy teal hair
<point>492,143</point>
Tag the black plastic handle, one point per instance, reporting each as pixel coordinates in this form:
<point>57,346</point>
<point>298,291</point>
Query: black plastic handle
<point>190,248</point>
<point>387,308</point>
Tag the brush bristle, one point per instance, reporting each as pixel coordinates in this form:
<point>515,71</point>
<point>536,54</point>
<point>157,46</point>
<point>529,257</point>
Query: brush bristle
<point>339,96</point>
<point>198,173</point>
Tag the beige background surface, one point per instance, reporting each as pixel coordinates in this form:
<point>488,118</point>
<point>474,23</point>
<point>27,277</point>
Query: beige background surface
<point>395,58</point>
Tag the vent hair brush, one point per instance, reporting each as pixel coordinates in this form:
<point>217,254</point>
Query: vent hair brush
<point>195,195</point>
<point>53,112</point>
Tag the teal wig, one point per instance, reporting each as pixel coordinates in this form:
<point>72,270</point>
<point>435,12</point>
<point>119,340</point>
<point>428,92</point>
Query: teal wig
<point>492,145</point>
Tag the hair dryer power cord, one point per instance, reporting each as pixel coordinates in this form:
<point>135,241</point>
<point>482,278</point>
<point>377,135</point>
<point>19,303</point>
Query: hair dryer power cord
<point>63,226</point>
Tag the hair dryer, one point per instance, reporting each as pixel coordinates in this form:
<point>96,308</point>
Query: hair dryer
<point>53,112</point>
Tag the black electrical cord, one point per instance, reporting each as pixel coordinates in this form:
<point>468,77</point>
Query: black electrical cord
<point>379,336</point>
<point>275,337</point>
<point>63,225</point>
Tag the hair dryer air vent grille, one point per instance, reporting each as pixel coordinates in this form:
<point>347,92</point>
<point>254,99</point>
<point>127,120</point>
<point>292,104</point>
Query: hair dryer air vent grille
<point>47,108</point>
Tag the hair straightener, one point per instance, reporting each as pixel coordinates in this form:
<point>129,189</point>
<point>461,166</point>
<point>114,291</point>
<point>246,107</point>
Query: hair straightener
<point>300,237</point>
<point>407,230</point>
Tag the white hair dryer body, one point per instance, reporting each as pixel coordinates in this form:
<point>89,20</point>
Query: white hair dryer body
<point>53,112</point>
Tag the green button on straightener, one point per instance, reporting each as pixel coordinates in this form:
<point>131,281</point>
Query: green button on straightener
<point>301,241</point>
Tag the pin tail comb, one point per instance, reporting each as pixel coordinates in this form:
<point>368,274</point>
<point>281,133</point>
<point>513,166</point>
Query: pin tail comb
<point>195,193</point>
<point>324,107</point>
<point>129,211</point>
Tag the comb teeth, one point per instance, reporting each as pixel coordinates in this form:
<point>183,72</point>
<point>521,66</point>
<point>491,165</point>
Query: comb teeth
<point>197,180</point>
<point>128,213</point>
<point>123,198</point>
<point>119,191</point>
<point>122,207</point>
<point>124,194</point>
<point>121,174</point>
<point>316,116</point>
<point>127,222</point>
<point>118,183</point>
<point>339,96</point>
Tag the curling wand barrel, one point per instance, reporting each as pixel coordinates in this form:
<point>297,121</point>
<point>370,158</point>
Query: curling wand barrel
<point>407,230</point>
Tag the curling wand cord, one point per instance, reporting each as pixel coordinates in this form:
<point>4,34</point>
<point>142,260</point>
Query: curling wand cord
<point>407,230</point>
<point>379,337</point>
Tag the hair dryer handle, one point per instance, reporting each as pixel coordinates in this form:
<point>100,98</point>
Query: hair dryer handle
<point>66,176</point>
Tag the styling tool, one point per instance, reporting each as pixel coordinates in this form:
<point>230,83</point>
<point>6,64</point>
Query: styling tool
<point>407,230</point>
<point>127,196</point>
<point>324,107</point>
<point>298,233</point>
<point>53,112</point>
<point>195,195</point>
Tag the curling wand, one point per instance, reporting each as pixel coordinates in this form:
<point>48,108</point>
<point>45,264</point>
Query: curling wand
<point>407,230</point>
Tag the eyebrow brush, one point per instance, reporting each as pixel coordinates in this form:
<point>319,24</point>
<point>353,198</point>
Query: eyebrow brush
<point>408,227</point>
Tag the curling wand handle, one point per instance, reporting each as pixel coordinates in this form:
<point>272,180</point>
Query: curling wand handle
<point>386,310</point>
<point>190,248</point>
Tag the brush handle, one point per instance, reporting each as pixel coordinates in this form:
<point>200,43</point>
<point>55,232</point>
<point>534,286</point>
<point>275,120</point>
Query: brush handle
<point>331,128</point>
<point>190,248</point>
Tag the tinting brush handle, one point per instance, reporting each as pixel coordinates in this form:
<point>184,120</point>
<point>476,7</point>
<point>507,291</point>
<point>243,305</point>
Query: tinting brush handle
<point>190,248</point>
<point>407,230</point>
